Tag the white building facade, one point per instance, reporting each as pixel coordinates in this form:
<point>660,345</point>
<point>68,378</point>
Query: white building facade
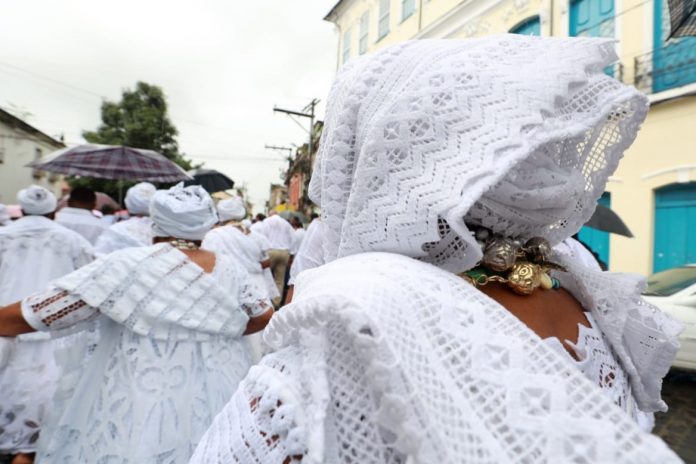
<point>20,144</point>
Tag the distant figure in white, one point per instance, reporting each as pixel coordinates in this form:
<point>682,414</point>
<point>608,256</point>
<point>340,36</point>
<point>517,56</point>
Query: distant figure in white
<point>281,236</point>
<point>34,250</point>
<point>232,238</point>
<point>170,318</point>
<point>135,231</point>
<point>78,214</point>
<point>4,215</point>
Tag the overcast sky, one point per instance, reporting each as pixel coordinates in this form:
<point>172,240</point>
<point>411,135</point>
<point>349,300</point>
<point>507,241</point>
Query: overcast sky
<point>223,65</point>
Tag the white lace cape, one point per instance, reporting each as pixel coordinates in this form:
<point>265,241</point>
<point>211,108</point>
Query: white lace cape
<point>417,135</point>
<point>164,358</point>
<point>133,232</point>
<point>382,357</point>
<point>152,290</point>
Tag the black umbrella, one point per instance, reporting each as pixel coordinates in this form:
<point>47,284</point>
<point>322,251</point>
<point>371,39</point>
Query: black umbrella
<point>210,179</point>
<point>607,220</point>
<point>682,18</point>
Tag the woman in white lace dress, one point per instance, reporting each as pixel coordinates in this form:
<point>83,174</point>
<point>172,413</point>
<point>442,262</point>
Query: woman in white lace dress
<point>169,320</point>
<point>432,152</point>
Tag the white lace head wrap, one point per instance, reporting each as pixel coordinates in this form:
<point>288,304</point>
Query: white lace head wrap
<point>36,200</point>
<point>231,209</point>
<point>182,212</point>
<point>516,133</point>
<point>138,198</point>
<point>4,215</point>
<point>247,223</point>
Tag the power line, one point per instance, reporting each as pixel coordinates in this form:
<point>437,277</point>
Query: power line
<point>54,81</point>
<point>101,97</point>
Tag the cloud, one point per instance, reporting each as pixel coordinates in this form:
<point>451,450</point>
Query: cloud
<point>222,64</point>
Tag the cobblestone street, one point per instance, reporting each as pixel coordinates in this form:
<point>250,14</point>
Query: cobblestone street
<point>678,426</point>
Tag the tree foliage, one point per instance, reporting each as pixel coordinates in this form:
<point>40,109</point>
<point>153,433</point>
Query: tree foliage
<point>139,120</point>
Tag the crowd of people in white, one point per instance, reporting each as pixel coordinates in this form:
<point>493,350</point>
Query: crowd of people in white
<point>424,318</point>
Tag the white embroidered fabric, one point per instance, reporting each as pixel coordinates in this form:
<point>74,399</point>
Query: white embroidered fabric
<point>422,134</point>
<point>231,241</point>
<point>263,243</point>
<point>33,251</point>
<point>311,252</point>
<point>133,232</point>
<point>387,359</point>
<point>278,231</point>
<point>384,359</point>
<point>597,361</point>
<point>169,355</point>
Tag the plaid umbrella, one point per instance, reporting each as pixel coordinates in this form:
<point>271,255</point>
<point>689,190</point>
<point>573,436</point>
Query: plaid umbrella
<point>111,162</point>
<point>682,17</point>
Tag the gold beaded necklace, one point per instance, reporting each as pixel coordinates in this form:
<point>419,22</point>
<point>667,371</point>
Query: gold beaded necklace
<point>522,267</point>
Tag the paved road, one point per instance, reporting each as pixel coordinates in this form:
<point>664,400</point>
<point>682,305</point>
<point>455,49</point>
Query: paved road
<point>678,426</point>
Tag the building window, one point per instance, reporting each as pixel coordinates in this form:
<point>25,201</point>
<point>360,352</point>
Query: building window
<point>383,29</point>
<point>530,26</point>
<point>672,63</point>
<point>346,47</point>
<point>364,31</point>
<point>408,7</point>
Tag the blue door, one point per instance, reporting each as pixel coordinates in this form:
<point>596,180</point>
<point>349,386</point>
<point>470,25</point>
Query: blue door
<point>592,18</point>
<point>674,65</point>
<point>598,240</point>
<point>530,26</point>
<point>675,226</point>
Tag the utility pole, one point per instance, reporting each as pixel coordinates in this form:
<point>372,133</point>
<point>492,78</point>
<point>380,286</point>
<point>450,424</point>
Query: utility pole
<point>306,112</point>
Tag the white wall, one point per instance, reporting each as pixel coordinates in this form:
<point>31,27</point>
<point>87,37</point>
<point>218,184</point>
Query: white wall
<point>18,148</point>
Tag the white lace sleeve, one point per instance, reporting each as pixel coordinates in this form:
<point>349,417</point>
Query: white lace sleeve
<point>55,309</point>
<point>254,300</point>
<point>264,420</point>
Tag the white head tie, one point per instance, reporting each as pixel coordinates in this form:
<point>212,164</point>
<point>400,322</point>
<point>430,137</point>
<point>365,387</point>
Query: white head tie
<point>515,133</point>
<point>247,223</point>
<point>231,209</point>
<point>36,200</point>
<point>182,212</point>
<point>4,215</point>
<point>138,198</point>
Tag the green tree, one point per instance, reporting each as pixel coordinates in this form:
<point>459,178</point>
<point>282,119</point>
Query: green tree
<point>139,120</point>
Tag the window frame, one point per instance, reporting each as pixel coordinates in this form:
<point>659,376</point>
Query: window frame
<point>384,15</point>
<point>346,45</point>
<point>364,33</point>
<point>404,17</point>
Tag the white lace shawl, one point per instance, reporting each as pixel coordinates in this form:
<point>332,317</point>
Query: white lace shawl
<point>165,356</point>
<point>133,232</point>
<point>232,241</point>
<point>151,291</point>
<point>417,134</point>
<point>383,359</point>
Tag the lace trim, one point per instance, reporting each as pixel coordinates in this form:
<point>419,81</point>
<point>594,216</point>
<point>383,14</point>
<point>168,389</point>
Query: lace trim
<point>371,97</point>
<point>644,339</point>
<point>157,291</point>
<point>394,405</point>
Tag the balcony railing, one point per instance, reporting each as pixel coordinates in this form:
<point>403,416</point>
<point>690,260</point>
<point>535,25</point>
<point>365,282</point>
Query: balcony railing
<point>616,71</point>
<point>667,67</point>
